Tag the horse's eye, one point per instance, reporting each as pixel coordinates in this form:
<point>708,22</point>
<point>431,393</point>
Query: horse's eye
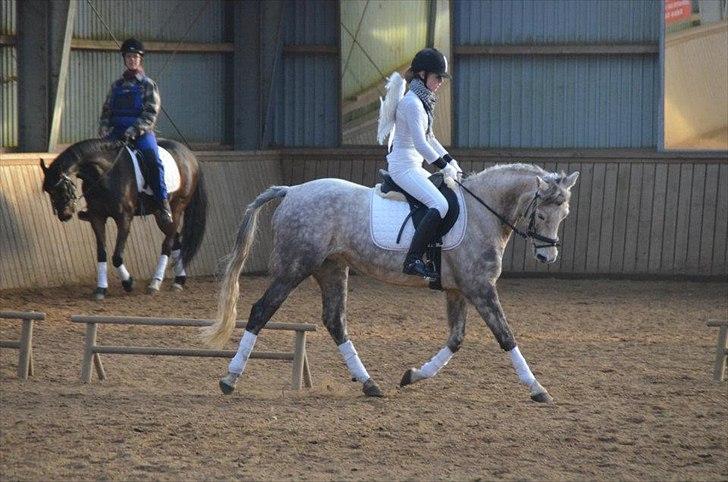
<point>541,217</point>
<point>559,203</point>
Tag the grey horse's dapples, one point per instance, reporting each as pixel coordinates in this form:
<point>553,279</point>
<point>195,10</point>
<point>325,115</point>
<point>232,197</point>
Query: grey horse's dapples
<point>322,227</point>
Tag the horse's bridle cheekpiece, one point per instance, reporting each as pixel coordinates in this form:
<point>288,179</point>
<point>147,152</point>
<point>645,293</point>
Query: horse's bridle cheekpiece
<point>531,232</point>
<point>67,189</point>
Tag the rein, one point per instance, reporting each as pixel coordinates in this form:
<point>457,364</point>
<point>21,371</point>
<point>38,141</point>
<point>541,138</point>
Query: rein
<point>531,232</point>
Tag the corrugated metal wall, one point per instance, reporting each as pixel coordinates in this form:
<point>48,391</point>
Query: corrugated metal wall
<point>8,79</point>
<point>36,249</point>
<point>192,86</point>
<point>556,100</point>
<point>516,22</point>
<point>306,95</point>
<point>192,89</point>
<point>390,32</point>
<point>159,20</point>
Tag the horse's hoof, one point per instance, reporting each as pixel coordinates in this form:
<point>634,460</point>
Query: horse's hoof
<point>371,389</point>
<point>99,294</point>
<point>227,383</point>
<point>176,287</point>
<point>128,284</point>
<point>154,286</point>
<point>542,397</point>
<point>406,378</point>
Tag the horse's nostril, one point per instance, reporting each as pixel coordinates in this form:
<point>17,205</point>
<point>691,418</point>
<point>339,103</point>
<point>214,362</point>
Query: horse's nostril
<point>541,258</point>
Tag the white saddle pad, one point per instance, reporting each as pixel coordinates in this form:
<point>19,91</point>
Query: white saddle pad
<point>171,171</point>
<point>387,216</point>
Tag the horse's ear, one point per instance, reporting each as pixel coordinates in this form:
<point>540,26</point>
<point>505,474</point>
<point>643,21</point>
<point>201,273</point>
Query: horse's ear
<point>43,166</point>
<point>543,185</point>
<point>570,180</point>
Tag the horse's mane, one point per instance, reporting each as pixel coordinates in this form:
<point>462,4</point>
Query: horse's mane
<point>77,152</point>
<point>553,192</point>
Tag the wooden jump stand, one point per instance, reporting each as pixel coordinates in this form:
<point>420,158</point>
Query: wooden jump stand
<point>301,372</point>
<point>721,349</point>
<point>25,344</point>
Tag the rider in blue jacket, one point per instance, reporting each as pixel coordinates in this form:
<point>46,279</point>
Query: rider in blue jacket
<point>130,113</point>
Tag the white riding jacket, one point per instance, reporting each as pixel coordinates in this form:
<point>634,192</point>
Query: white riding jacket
<point>409,146</point>
<point>411,143</point>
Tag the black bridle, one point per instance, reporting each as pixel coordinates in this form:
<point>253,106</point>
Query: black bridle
<point>531,232</point>
<point>67,189</point>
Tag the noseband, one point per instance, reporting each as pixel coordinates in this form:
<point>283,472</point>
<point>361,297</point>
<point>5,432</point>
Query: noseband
<point>531,232</point>
<point>65,188</point>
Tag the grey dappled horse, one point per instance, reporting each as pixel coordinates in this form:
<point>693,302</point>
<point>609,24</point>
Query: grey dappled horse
<point>321,228</point>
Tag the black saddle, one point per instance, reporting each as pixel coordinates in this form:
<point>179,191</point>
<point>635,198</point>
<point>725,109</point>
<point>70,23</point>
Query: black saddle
<point>418,210</point>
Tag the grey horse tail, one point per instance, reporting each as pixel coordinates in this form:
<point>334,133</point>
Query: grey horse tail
<point>218,333</point>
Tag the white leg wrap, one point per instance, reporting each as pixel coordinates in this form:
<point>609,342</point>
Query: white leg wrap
<point>351,358</point>
<point>179,268</point>
<point>102,277</point>
<point>247,342</point>
<point>161,267</point>
<point>438,361</point>
<point>519,363</point>
<point>123,273</point>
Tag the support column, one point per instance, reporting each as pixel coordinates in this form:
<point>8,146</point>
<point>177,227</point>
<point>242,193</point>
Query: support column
<point>246,76</point>
<point>43,48</point>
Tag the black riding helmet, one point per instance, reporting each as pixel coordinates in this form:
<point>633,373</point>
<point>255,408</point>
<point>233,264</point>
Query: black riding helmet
<point>430,60</point>
<point>132,46</point>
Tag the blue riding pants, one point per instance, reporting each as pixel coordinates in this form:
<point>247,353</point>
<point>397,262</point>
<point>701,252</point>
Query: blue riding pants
<point>147,144</point>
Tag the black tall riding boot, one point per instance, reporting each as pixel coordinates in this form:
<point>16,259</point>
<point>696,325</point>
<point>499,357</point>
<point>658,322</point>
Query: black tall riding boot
<point>165,211</point>
<point>425,233</point>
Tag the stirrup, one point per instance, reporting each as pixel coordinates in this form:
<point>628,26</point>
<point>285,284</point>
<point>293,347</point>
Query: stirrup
<point>418,268</point>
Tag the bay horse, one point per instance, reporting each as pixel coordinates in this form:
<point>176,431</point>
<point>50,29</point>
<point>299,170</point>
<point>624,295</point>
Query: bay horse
<point>321,228</point>
<point>110,189</point>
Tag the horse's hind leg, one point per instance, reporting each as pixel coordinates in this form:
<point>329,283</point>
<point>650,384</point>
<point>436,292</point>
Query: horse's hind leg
<point>180,275</point>
<point>332,277</point>
<point>456,313</point>
<point>262,311</point>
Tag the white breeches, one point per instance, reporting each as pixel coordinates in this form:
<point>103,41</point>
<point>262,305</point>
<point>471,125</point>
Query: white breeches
<point>414,180</point>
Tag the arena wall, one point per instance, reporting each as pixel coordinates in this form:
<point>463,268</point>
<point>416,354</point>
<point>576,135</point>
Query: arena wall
<point>633,213</point>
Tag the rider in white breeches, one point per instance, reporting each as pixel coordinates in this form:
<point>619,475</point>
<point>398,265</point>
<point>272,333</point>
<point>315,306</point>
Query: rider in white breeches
<point>414,140</point>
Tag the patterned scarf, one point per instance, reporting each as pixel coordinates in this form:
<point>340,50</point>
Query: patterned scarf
<point>428,98</point>
<point>132,74</point>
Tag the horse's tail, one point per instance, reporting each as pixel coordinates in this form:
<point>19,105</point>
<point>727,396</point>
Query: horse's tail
<point>221,330</point>
<point>193,229</point>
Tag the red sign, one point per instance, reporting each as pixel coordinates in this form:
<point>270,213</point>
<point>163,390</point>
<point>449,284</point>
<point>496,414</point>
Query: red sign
<point>678,11</point>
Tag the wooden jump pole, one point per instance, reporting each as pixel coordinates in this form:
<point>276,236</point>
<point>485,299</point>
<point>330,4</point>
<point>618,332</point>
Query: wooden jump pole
<point>301,371</point>
<point>25,344</point>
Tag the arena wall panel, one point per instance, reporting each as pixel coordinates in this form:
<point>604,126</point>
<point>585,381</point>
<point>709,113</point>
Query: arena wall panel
<point>633,213</point>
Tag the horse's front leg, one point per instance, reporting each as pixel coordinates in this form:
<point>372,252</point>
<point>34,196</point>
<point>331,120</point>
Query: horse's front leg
<point>456,313</point>
<point>98,224</point>
<point>488,305</point>
<point>123,225</point>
